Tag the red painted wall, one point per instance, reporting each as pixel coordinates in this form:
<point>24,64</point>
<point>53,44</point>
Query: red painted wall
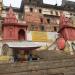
<point>68,34</point>
<point>11,32</point>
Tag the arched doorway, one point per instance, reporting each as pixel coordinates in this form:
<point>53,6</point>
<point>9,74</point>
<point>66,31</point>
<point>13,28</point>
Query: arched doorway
<point>21,34</point>
<point>6,50</point>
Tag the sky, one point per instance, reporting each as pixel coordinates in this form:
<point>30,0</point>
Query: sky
<point>17,3</point>
<point>58,2</point>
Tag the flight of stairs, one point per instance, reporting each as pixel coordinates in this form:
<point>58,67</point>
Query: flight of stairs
<point>56,63</point>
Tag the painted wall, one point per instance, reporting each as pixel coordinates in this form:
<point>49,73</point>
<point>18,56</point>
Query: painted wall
<point>11,32</point>
<point>41,36</point>
<point>68,34</point>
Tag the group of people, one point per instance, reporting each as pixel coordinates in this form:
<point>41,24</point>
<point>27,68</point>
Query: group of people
<point>28,57</point>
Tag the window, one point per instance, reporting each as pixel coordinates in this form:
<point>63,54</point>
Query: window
<point>70,13</point>
<point>31,9</point>
<point>40,11</point>
<point>20,16</point>
<point>41,19</point>
<point>55,29</point>
<point>48,20</point>
<point>56,13</point>
<point>36,28</point>
<point>51,12</point>
<point>42,28</point>
<point>32,27</point>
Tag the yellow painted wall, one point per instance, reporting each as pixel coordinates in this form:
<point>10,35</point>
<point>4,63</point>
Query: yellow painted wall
<point>39,36</point>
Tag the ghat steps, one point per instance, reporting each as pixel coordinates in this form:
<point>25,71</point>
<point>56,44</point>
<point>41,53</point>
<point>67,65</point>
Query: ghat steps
<point>57,63</point>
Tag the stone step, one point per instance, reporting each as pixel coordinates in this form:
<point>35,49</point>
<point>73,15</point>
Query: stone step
<point>56,64</point>
<point>53,54</point>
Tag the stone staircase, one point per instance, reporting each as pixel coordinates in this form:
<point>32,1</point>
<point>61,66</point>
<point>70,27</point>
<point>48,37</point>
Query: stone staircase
<point>53,55</point>
<point>57,63</point>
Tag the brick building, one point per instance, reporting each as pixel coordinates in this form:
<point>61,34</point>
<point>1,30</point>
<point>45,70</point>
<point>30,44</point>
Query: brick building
<point>47,16</point>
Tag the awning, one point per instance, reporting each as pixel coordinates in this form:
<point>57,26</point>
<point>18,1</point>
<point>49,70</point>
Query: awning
<point>22,45</point>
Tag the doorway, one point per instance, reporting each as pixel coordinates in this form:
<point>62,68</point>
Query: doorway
<point>21,34</point>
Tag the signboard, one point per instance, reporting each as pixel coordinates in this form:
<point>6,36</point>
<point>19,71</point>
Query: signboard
<point>39,36</point>
<point>4,58</point>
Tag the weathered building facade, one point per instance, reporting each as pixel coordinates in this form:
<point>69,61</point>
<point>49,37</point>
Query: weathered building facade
<point>47,18</point>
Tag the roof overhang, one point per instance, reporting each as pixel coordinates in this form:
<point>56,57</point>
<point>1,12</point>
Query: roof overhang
<point>22,45</point>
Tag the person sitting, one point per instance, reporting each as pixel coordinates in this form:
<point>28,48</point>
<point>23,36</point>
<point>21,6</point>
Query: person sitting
<point>30,57</point>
